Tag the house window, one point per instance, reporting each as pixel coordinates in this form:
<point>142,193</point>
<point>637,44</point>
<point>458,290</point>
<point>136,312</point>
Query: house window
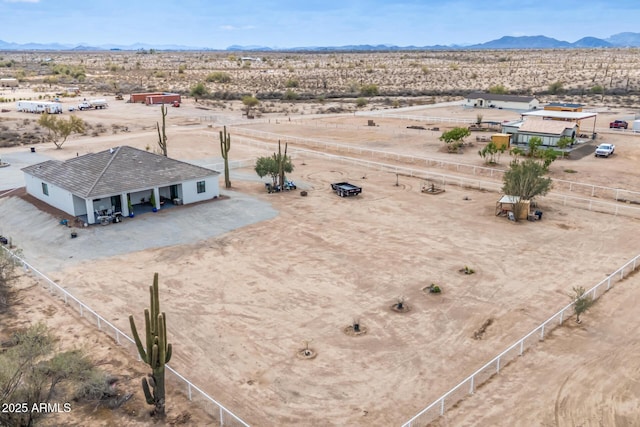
<point>45,189</point>
<point>201,188</point>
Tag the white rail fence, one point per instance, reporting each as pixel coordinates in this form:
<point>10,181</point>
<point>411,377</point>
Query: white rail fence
<point>472,382</point>
<point>590,190</point>
<point>593,204</point>
<point>222,415</point>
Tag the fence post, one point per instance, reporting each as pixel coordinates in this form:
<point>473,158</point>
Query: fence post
<point>498,366</point>
<point>471,387</point>
<point>542,332</point>
<point>521,347</point>
<point>442,407</point>
<point>221,417</point>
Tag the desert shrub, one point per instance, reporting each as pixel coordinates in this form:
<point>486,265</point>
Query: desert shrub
<point>498,90</point>
<point>218,77</point>
<point>434,289</point>
<point>290,95</point>
<point>467,270</point>
<point>96,386</point>
<point>361,102</point>
<point>556,88</point>
<point>369,90</point>
<point>292,83</point>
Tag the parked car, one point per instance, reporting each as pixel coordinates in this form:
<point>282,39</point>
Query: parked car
<point>605,150</point>
<point>618,124</point>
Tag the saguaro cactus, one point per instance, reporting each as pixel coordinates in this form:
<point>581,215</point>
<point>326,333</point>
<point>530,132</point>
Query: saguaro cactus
<point>162,138</point>
<point>157,352</point>
<point>282,160</point>
<point>225,146</point>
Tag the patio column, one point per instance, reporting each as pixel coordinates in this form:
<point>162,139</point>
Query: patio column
<point>91,216</point>
<point>124,203</point>
<point>156,196</point>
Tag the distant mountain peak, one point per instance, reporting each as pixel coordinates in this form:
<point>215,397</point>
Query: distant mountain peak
<point>624,39</point>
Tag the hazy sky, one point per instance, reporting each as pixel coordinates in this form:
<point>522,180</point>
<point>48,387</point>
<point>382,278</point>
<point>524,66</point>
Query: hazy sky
<point>218,24</point>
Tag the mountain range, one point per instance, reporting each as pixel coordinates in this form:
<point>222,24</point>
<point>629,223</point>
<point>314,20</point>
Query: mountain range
<point>619,40</point>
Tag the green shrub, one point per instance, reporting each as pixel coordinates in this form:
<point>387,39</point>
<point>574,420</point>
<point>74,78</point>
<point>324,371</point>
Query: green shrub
<point>218,77</point>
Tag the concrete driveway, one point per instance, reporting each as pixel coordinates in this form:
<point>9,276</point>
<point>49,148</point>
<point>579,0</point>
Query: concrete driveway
<point>49,246</point>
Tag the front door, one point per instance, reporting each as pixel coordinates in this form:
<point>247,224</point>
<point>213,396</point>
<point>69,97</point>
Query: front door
<point>174,192</point>
<point>116,203</point>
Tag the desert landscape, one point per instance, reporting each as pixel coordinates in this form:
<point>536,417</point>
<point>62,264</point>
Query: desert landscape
<point>242,304</point>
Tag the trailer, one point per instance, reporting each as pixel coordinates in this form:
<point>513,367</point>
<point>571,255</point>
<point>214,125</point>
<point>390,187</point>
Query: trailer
<point>39,107</point>
<point>344,189</point>
<point>99,103</point>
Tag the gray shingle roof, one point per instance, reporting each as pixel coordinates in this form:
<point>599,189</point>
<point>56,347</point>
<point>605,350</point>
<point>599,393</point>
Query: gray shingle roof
<point>115,171</point>
<point>497,97</point>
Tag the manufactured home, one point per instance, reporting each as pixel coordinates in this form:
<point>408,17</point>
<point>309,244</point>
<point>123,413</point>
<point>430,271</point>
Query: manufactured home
<point>151,98</point>
<point>509,102</point>
<point>8,82</point>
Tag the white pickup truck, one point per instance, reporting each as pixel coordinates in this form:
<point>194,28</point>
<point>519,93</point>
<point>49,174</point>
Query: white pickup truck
<point>604,150</point>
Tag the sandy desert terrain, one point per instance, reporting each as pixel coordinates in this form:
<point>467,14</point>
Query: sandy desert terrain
<point>242,304</point>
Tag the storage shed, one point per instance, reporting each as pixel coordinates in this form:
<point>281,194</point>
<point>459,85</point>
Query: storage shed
<point>501,139</point>
<point>508,204</point>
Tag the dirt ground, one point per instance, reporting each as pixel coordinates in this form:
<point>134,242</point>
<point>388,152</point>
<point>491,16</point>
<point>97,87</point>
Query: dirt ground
<point>241,306</point>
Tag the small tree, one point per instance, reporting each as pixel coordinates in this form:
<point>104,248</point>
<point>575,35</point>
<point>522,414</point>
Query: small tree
<point>525,179</point>
<point>267,166</point>
<point>454,138</point>
<point>582,302</point>
<point>249,103</point>
<point>491,153</point>
<point>534,146</point>
<point>275,166</point>
<point>564,143</point>
<point>198,91</point>
<point>60,129</point>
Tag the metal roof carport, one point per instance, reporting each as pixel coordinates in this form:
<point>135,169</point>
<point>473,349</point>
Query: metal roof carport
<point>568,116</point>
